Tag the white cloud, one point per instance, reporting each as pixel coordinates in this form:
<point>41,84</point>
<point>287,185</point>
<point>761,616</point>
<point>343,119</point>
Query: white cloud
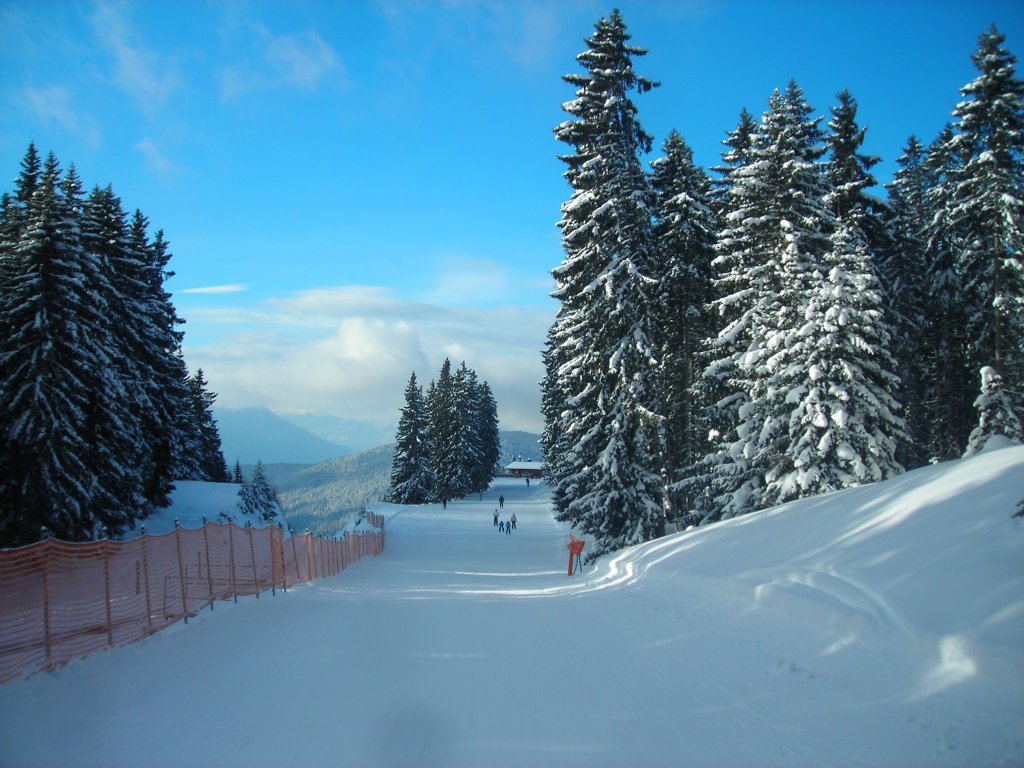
<point>218,289</point>
<point>302,60</point>
<point>155,159</point>
<point>138,69</point>
<point>53,103</point>
<point>348,352</point>
<point>474,281</point>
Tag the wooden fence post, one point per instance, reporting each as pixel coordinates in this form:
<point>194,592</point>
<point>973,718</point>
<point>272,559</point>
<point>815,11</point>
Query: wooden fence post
<point>106,590</point>
<point>181,569</point>
<point>295,557</point>
<point>145,579</point>
<point>209,566</point>
<point>231,559</point>
<point>47,637</point>
<point>252,557</point>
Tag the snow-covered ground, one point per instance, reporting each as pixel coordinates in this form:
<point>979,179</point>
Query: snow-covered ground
<point>877,626</point>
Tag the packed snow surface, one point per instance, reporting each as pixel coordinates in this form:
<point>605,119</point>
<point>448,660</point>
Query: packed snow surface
<point>882,625</point>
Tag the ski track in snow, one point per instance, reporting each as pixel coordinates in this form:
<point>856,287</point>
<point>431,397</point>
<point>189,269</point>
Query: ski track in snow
<point>805,635</point>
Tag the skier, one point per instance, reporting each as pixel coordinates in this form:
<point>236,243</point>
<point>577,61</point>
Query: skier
<point>501,501</point>
<point>501,527</point>
<point>508,527</point>
<point>513,521</point>
<point>495,518</point>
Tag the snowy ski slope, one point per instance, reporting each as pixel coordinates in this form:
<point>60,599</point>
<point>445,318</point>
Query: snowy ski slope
<point>877,626</point>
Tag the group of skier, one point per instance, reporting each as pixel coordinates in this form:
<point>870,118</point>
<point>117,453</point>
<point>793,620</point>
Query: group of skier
<point>504,526</point>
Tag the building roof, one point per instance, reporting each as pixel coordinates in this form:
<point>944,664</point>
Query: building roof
<point>526,465</point>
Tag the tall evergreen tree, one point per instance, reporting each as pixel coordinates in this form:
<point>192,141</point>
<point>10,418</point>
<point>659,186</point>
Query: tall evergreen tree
<point>412,479</point>
<point>769,251</point>
<point>554,395</point>
<point>904,274</point>
<point>987,210</point>
<point>490,439</point>
<point>467,398</point>
<point>120,400</point>
<point>609,482</point>
<point>54,353</point>
<point>837,371</point>
<point>685,231</point>
<point>945,406</point>
<point>449,452</point>
<point>740,143</point>
<point>849,174</point>
<point>205,435</point>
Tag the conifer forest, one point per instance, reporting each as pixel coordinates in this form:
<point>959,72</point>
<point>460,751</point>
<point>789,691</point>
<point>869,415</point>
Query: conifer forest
<point>776,327</point>
<point>98,411</point>
<point>447,443</point>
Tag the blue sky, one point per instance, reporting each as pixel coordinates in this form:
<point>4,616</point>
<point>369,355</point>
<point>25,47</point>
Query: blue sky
<point>355,190</point>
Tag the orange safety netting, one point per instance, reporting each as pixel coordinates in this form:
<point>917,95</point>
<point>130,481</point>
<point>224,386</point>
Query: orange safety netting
<point>60,600</point>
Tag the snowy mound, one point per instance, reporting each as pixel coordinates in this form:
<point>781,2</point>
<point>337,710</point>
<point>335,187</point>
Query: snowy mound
<point>932,555</point>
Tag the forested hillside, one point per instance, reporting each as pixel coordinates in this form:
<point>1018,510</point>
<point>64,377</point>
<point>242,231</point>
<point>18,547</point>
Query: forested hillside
<point>320,497</point>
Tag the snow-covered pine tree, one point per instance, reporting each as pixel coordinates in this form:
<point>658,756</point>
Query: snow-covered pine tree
<point>717,387</point>
<point>160,360</point>
<point>53,353</point>
<point>257,497</point>
<point>849,173</point>
<point>904,274</point>
<point>739,141</point>
<point>554,387</point>
<point>110,423</point>
<point>490,438</point>
<point>606,324</point>
<point>996,414</point>
<point>685,229</point>
<point>448,456</point>
<point>835,375</point>
<point>987,211</point>
<point>770,252</point>
<point>237,476</point>
<point>945,405</point>
<point>205,436</point>
<point>467,398</point>
<point>412,479</point>
<point>119,439</point>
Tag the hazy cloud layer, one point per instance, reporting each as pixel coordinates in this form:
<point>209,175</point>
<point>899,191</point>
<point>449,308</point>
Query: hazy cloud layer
<point>348,351</point>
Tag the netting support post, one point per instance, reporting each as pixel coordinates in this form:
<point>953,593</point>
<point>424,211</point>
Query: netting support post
<point>145,578</point>
<point>181,570</point>
<point>252,558</point>
<point>295,557</point>
<point>209,566</point>
<point>106,590</point>
<point>47,635</point>
<point>273,556</point>
<point>231,559</point>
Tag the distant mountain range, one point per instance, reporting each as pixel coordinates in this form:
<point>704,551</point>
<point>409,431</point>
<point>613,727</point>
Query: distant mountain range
<point>249,435</point>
